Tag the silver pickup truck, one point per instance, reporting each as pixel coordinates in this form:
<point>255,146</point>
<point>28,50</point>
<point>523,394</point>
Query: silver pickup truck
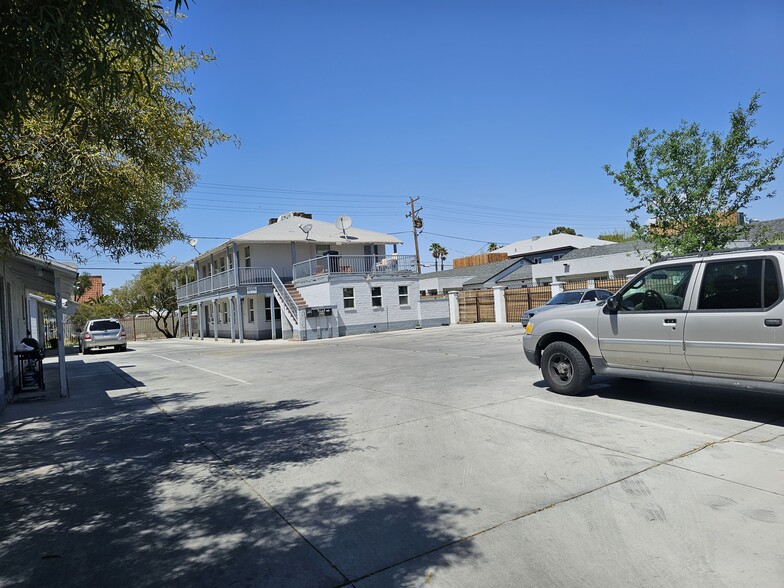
<point>712,318</point>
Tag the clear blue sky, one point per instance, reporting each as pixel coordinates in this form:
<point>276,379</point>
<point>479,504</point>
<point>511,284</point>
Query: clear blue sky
<point>499,115</point>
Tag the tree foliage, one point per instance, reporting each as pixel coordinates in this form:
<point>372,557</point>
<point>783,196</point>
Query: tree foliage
<point>152,292</point>
<point>492,246</point>
<point>564,230</point>
<point>104,170</point>
<point>54,53</point>
<point>438,251</point>
<point>692,183</point>
<point>104,307</point>
<point>81,285</point>
<point>617,236</point>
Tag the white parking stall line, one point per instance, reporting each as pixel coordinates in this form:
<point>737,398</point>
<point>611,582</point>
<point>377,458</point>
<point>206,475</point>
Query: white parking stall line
<point>200,368</point>
<point>628,419</point>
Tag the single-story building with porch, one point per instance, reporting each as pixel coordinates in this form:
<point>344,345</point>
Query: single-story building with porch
<point>20,276</point>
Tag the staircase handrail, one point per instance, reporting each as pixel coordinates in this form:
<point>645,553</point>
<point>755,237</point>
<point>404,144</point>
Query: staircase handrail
<point>285,296</point>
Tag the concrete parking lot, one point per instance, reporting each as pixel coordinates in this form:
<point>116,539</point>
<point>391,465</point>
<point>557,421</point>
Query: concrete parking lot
<point>418,458</point>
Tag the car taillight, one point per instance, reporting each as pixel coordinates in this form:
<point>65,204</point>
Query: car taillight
<point>122,334</point>
<point>88,337</point>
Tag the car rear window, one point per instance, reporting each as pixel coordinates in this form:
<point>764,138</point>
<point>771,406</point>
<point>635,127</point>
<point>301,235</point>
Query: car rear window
<point>105,326</point>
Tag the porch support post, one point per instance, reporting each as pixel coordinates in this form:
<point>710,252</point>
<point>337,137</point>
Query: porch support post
<point>200,320</point>
<point>231,317</point>
<point>272,317</point>
<point>58,318</point>
<point>215,317</point>
<point>240,319</point>
<point>236,256</point>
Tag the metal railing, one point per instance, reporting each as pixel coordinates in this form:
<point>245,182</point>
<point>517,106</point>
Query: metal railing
<point>285,297</point>
<point>355,264</point>
<point>248,276</point>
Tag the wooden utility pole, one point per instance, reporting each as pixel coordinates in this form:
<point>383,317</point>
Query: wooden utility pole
<point>416,222</point>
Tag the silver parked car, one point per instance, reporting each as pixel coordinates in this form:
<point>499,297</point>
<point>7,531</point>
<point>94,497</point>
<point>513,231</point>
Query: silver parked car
<point>714,318</point>
<point>567,297</point>
<point>105,332</point>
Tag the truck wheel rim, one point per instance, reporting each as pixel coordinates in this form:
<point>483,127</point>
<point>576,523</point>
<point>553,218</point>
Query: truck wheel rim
<point>561,367</point>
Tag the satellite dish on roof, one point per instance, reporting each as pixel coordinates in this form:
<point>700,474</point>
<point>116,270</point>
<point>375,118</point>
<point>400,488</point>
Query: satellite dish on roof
<point>343,223</point>
<point>192,243</point>
<point>306,229</point>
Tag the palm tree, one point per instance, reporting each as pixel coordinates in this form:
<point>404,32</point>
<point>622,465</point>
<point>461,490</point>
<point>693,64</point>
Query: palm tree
<point>435,251</point>
<point>492,246</point>
<point>443,255</point>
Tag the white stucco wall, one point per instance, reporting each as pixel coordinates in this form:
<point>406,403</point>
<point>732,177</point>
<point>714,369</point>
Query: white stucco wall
<point>364,317</point>
<point>443,284</point>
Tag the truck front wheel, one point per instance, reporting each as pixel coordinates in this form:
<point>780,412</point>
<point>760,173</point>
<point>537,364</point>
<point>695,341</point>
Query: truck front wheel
<point>565,369</point>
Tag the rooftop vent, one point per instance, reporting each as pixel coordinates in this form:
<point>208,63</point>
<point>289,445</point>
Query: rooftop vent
<point>286,215</point>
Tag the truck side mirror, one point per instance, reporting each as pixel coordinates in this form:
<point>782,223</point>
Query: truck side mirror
<point>613,304</point>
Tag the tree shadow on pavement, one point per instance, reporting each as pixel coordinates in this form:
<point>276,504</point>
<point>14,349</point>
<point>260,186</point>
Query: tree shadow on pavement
<point>135,497</point>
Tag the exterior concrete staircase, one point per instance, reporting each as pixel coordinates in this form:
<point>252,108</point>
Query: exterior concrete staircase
<point>296,296</point>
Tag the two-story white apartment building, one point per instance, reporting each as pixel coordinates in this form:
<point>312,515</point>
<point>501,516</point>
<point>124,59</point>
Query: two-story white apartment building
<point>302,278</point>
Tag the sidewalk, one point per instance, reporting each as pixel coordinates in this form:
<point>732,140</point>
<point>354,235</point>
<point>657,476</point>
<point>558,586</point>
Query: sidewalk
<point>106,489</point>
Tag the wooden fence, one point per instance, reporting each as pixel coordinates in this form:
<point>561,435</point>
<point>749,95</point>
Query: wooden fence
<point>477,306</point>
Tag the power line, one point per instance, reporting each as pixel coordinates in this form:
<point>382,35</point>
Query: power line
<point>459,238</point>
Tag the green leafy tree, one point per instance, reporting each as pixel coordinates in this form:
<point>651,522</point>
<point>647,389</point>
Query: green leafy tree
<point>565,230</point>
<point>492,246</point>
<point>54,53</point>
<point>81,286</point>
<point>692,183</point>
<point>443,255</point>
<point>107,176</point>
<point>153,292</point>
<point>617,236</point>
<point>103,307</point>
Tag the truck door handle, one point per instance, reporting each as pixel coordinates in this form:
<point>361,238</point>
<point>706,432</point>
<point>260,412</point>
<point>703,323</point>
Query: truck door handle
<point>772,322</point>
<point>670,321</point>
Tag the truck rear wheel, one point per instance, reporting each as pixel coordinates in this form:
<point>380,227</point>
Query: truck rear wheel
<point>565,368</point>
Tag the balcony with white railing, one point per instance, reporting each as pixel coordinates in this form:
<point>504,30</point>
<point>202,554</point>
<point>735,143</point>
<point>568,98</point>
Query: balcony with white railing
<point>246,276</point>
<point>355,264</point>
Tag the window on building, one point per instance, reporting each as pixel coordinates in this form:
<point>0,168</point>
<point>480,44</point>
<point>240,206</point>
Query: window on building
<point>402,295</point>
<point>348,297</point>
<point>251,311</point>
<point>221,264</point>
<point>231,261</point>
<point>375,296</point>
<point>268,310</point>
<point>557,257</point>
<point>247,256</point>
<point>225,312</point>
